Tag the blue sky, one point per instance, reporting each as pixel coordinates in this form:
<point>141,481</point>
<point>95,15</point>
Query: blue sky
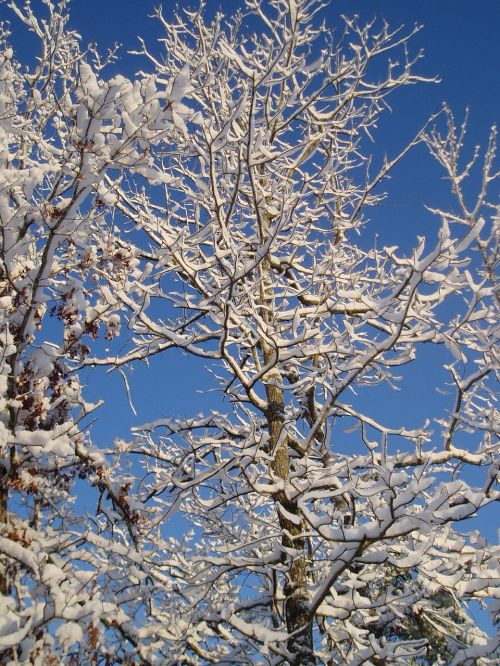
<point>460,40</point>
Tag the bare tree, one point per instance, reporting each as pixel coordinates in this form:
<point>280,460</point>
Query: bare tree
<point>62,130</point>
<point>219,207</point>
<point>257,264</point>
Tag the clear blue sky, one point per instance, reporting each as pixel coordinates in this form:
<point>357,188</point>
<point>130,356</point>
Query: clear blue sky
<point>461,42</point>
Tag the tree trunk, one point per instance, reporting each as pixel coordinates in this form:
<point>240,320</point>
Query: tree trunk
<point>299,624</point>
<point>294,555</point>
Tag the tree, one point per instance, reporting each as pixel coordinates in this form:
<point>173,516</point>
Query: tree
<point>63,129</point>
<point>242,168</point>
